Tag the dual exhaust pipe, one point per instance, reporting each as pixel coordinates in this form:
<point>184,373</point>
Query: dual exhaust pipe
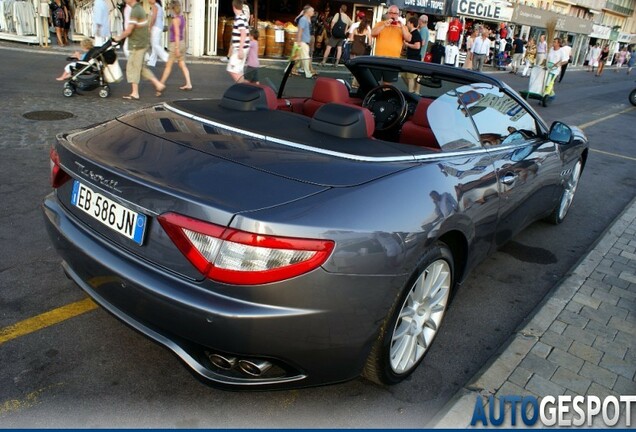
<point>251,367</point>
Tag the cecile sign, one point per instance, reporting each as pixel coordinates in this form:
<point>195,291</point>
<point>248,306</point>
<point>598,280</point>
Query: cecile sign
<point>488,10</point>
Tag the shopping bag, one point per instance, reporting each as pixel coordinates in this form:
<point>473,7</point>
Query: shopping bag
<point>113,73</point>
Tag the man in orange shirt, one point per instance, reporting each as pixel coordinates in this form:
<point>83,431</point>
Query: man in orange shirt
<point>390,36</point>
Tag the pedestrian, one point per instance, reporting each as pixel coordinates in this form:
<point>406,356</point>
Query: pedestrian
<point>602,59</point>
<point>177,47</point>
<point>621,58</point>
<point>424,35</point>
<point>517,53</point>
<point>101,22</point>
<point>412,51</point>
<point>542,50</point>
<point>631,60</point>
<point>470,40</point>
<point>389,36</point>
<point>69,17</point>
<point>567,53</point>
<point>556,58</point>
<point>240,43</point>
<point>480,50</point>
<point>593,54</point>
<point>303,38</point>
<point>58,18</point>
<point>252,63</point>
<point>126,15</point>
<point>339,25</point>
<point>157,19</point>
<point>529,57</point>
<point>360,37</point>
<point>138,36</point>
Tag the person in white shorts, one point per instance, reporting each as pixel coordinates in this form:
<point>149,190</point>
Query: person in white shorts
<point>240,43</point>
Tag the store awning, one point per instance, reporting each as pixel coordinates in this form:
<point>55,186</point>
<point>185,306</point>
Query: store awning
<point>429,7</point>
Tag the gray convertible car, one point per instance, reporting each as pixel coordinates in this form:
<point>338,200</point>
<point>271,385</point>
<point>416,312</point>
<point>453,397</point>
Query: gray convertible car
<point>304,232</point>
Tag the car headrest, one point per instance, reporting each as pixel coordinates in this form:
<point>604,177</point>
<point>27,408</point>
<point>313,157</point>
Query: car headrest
<point>420,116</point>
<point>249,97</point>
<point>343,121</point>
<point>330,90</point>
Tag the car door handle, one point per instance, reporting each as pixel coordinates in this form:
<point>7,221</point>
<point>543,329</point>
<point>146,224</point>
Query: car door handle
<point>509,179</point>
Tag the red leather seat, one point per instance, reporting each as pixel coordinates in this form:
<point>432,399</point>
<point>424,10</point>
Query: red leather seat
<point>417,130</point>
<point>326,90</point>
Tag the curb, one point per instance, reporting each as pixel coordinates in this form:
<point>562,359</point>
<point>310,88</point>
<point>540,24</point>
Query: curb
<point>457,411</point>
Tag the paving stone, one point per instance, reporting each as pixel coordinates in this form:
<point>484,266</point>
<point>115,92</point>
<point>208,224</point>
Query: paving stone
<point>573,318</point>
<point>566,360</point>
<point>602,392</point>
<point>624,386</point>
<point>628,276</point>
<point>610,347</point>
<point>626,304</point>
<point>541,386</point>
<point>556,340</point>
<point>606,297</point>
<point>571,380</point>
<point>596,285</point>
<point>586,300</point>
<point>623,294</point>
<point>585,352</point>
<point>509,388</point>
<point>613,310</point>
<point>558,326</point>
<point>600,330</point>
<point>520,376</point>
<point>619,282</point>
<point>619,366</point>
<point>600,316</point>
<point>622,325</point>
<point>626,339</point>
<point>579,335</point>
<point>628,252</point>
<point>538,365</point>
<point>541,349</point>
<point>597,276</point>
<point>573,307</point>
<point>599,375</point>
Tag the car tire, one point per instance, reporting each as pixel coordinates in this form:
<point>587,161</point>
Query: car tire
<point>567,196</point>
<point>632,97</point>
<point>414,319</point>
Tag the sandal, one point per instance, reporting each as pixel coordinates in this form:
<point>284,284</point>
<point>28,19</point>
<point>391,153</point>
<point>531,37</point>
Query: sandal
<point>130,97</point>
<point>295,73</point>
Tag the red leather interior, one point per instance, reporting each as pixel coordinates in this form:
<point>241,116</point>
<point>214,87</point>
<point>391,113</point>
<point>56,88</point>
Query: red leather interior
<point>417,130</point>
<point>326,90</point>
<point>272,100</point>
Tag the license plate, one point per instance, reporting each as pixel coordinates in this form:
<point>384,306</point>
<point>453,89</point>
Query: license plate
<point>114,215</point>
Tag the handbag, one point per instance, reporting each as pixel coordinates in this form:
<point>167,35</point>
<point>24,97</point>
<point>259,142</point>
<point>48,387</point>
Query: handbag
<point>113,72</point>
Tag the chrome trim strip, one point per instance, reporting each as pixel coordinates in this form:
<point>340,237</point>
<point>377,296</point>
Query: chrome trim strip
<point>410,158</point>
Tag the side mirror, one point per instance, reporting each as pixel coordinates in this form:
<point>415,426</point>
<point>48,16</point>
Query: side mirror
<point>560,133</point>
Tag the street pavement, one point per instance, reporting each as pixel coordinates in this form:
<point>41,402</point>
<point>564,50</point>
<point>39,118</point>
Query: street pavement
<point>581,340</point>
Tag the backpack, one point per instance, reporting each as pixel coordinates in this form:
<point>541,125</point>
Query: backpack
<point>338,29</point>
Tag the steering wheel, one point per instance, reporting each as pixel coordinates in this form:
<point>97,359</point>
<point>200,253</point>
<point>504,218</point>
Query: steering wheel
<point>388,106</point>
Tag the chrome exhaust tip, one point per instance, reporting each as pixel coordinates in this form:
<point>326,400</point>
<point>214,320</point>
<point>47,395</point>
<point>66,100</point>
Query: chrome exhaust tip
<point>254,368</point>
<point>222,362</point>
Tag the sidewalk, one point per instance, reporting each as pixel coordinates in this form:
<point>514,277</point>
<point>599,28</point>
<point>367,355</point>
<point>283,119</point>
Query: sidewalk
<point>581,340</point>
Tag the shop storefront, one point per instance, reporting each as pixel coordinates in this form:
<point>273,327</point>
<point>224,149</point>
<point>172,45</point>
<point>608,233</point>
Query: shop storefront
<point>533,22</point>
<point>24,21</point>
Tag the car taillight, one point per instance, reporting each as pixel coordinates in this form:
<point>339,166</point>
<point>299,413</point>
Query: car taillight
<point>58,175</point>
<point>242,258</point>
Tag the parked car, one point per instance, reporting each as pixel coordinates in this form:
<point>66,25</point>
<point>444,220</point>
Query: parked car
<point>278,239</point>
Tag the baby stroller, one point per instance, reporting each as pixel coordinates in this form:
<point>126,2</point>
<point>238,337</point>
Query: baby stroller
<point>92,72</point>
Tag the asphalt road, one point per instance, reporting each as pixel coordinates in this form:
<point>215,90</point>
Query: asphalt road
<point>93,371</point>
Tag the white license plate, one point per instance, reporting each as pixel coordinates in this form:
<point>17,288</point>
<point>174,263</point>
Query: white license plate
<point>115,216</point>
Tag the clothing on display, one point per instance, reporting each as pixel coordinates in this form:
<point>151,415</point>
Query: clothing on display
<point>450,54</point>
<point>454,30</point>
<point>18,17</point>
<point>441,29</point>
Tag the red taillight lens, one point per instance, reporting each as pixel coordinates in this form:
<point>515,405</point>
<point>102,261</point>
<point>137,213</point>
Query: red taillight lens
<point>58,175</point>
<point>241,258</point>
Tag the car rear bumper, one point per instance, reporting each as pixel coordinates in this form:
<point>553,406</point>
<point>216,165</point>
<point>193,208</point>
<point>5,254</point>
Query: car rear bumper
<point>311,345</point>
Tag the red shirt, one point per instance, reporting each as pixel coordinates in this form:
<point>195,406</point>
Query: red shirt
<point>454,30</point>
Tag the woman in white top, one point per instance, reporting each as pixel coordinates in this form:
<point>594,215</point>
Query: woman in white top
<point>156,30</point>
